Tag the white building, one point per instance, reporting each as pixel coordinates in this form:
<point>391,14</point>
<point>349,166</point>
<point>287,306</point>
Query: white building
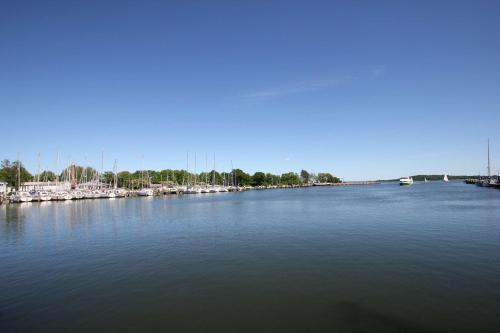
<point>45,186</point>
<point>3,188</point>
<point>95,185</point>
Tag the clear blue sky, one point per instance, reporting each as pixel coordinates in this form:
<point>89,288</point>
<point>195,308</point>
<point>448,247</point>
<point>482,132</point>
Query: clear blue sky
<point>363,89</point>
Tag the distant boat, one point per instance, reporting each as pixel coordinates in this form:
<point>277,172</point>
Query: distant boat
<point>406,181</point>
<point>44,196</point>
<point>425,180</point>
<point>145,192</point>
<point>445,178</point>
<point>192,190</point>
<point>66,195</point>
<point>23,197</point>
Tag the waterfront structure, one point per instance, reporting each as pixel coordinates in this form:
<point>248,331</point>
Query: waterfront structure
<point>45,186</point>
<point>3,188</point>
<point>93,185</point>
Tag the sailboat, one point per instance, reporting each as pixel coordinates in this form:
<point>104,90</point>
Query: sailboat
<point>425,180</point>
<point>213,189</point>
<point>205,188</point>
<point>488,181</point>
<point>191,188</point>
<point>145,191</point>
<point>445,178</point>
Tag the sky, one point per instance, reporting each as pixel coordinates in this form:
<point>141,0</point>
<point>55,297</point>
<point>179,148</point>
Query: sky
<point>361,89</point>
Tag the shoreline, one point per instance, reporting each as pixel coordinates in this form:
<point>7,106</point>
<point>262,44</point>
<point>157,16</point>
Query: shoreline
<point>166,191</point>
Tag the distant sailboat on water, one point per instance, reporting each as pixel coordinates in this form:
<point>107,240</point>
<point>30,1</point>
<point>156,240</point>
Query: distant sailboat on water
<point>445,178</point>
<point>425,180</point>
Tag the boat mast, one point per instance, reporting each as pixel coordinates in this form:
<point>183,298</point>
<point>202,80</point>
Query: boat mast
<point>102,169</point>
<point>115,185</point>
<point>206,170</point>
<point>38,172</point>
<point>489,172</point>
<point>232,175</point>
<point>18,173</point>
<point>213,173</point>
<point>187,169</point>
<point>142,171</point>
<point>57,170</point>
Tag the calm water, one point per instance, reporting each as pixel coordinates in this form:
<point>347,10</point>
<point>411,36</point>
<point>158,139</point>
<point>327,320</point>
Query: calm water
<point>384,258</point>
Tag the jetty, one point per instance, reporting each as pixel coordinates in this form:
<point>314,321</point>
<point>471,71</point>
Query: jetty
<point>352,183</point>
<point>489,180</point>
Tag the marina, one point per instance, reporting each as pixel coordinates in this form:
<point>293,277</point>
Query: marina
<point>291,258</point>
<point>83,183</point>
<point>250,166</point>
<point>81,194</point>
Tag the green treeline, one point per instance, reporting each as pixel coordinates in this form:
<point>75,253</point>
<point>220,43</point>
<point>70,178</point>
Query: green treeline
<point>10,175</point>
<point>139,178</point>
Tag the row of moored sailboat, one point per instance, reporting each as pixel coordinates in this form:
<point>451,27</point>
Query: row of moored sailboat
<point>67,195</point>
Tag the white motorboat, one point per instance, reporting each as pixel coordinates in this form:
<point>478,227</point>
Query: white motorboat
<point>145,192</point>
<point>406,181</point>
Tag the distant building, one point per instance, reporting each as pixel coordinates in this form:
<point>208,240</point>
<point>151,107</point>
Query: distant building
<point>45,186</point>
<point>3,188</point>
<point>94,185</point>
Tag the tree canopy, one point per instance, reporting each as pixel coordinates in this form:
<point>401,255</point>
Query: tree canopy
<point>9,173</point>
<point>139,178</point>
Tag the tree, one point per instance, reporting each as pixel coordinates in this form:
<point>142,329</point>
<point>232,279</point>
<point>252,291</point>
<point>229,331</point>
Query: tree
<point>305,176</point>
<point>108,177</point>
<point>272,179</point>
<point>82,174</point>
<point>259,179</point>
<point>241,178</point>
<point>124,179</point>
<point>325,177</point>
<point>290,178</point>
<point>167,176</point>
<point>47,176</point>
<point>9,173</point>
